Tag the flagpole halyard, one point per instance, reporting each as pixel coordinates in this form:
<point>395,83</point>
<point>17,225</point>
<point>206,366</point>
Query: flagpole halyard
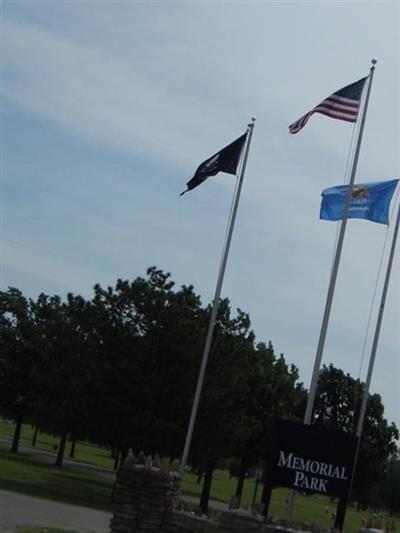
<point>332,282</point>
<point>224,259</point>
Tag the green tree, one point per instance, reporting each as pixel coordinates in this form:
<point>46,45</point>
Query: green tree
<point>337,406</point>
<point>389,489</point>
<point>273,393</point>
<point>221,425</point>
<point>147,335</point>
<point>19,359</point>
<point>63,376</point>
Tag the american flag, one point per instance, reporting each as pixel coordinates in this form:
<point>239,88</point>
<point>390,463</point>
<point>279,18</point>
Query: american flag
<point>342,104</point>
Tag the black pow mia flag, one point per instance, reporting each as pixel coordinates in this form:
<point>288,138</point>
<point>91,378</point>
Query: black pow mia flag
<point>226,160</point>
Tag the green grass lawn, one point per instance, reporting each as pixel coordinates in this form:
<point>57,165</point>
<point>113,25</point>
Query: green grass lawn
<point>39,477</point>
<point>312,509</point>
<point>84,452</point>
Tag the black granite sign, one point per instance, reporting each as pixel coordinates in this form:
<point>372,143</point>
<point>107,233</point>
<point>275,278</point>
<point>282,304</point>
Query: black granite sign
<point>311,459</point>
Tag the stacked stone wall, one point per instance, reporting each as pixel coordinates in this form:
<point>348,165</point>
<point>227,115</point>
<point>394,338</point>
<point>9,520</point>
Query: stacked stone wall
<point>144,496</point>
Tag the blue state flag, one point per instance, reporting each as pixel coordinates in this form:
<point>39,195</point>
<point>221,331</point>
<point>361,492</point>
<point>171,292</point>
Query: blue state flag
<point>370,201</point>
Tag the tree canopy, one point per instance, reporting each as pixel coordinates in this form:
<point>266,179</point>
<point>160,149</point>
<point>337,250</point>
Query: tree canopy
<point>120,369</point>
<point>337,406</point>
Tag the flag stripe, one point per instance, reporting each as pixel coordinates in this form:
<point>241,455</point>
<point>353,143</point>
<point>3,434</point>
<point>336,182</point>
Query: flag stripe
<point>328,107</point>
<point>338,105</point>
<point>339,116</point>
<point>344,101</point>
<point>342,105</point>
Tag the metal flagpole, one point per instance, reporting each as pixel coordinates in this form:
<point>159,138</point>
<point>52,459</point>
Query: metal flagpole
<point>377,330</point>
<point>214,311</point>
<point>335,268</point>
<point>332,283</point>
<point>363,410</point>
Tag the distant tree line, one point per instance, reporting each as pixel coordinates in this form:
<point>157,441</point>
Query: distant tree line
<point>120,370</point>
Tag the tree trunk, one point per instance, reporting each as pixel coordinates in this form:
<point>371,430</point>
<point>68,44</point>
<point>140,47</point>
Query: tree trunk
<point>199,476</point>
<point>61,449</point>
<point>205,493</point>
<point>35,435</point>
<point>72,450</point>
<point>113,452</point>
<point>266,493</point>
<point>124,454</point>
<point>240,484</point>
<point>116,459</point>
<point>17,434</point>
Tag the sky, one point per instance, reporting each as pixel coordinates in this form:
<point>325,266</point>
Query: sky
<point>109,107</point>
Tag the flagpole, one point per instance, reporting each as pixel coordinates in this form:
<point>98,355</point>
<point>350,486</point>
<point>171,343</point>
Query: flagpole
<point>341,515</point>
<point>332,283</point>
<point>377,329</point>
<point>214,311</point>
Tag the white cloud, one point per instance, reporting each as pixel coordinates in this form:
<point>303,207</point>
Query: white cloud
<point>170,83</point>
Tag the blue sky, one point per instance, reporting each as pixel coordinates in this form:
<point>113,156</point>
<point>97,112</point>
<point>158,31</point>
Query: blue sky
<point>109,107</point>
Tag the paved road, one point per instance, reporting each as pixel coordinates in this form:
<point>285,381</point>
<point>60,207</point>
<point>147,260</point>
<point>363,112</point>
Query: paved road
<point>19,510</point>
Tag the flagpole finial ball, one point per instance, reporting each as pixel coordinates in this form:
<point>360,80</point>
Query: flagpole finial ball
<point>374,61</point>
